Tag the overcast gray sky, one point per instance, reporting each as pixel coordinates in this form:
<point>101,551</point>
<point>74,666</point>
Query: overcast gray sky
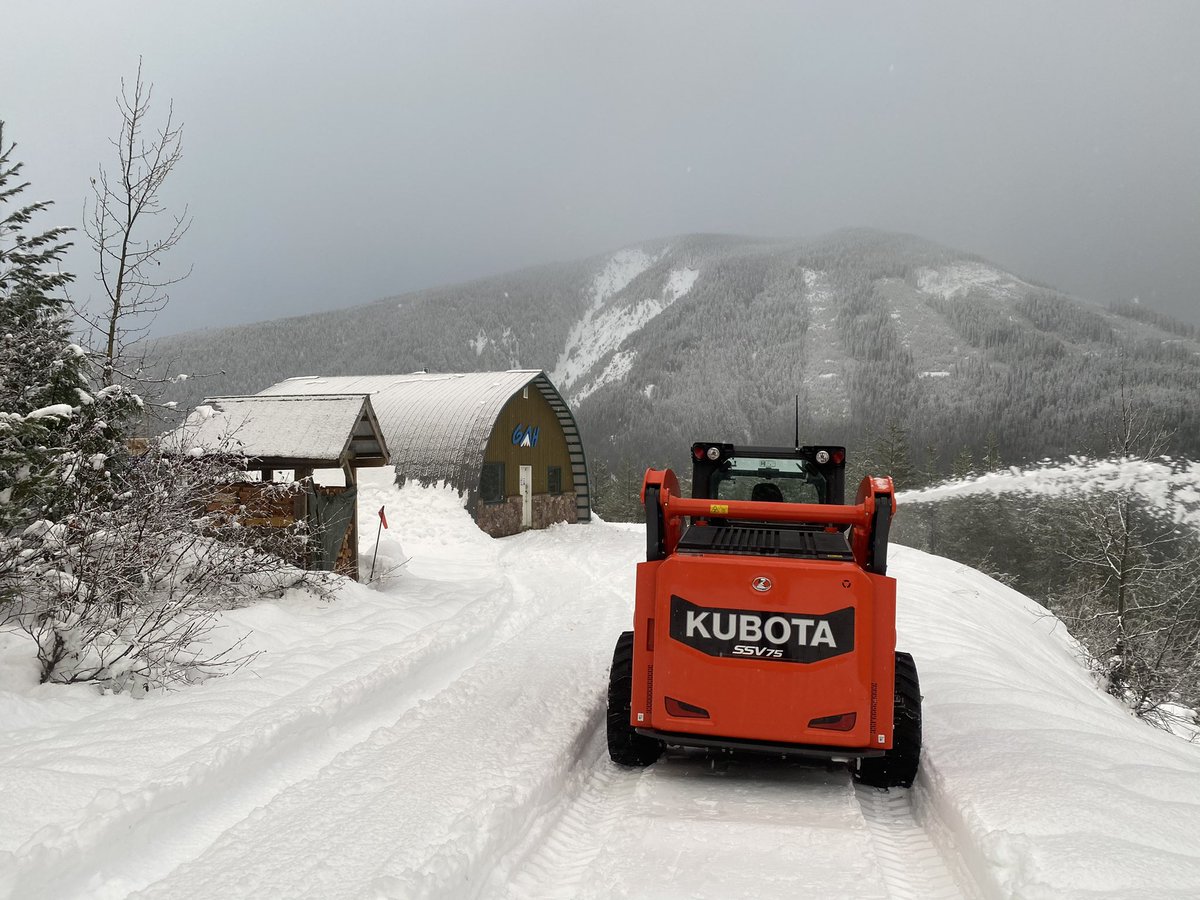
<point>336,153</point>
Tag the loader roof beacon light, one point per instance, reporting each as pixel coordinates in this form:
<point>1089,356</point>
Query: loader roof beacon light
<point>808,668</point>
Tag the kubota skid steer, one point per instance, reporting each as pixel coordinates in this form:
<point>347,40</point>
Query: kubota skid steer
<point>767,623</point>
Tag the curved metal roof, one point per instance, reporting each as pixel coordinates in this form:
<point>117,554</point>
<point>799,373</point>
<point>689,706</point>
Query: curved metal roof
<point>437,425</point>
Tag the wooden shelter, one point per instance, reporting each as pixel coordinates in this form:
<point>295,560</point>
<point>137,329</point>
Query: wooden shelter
<point>300,434</point>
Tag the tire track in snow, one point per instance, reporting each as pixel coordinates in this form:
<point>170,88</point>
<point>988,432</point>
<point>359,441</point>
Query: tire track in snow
<point>697,827</point>
<point>573,845</point>
<point>553,856</point>
<point>912,865</point>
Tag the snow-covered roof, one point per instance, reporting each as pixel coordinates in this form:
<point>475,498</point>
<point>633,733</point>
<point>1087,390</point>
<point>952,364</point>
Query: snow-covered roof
<point>299,429</point>
<point>437,425</point>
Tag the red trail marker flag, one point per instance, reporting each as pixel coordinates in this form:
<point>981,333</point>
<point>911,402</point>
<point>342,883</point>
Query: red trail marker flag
<point>378,532</point>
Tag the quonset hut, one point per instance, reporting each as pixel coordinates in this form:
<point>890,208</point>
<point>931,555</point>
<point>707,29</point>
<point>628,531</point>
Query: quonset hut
<point>507,441</point>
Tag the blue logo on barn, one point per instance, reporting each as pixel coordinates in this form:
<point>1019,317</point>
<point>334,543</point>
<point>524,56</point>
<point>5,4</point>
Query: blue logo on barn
<point>525,436</point>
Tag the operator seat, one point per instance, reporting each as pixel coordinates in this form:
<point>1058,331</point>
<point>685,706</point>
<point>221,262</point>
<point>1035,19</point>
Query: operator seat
<point>766,491</point>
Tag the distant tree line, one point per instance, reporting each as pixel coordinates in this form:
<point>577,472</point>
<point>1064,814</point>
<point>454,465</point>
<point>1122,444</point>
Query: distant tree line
<point>1141,313</point>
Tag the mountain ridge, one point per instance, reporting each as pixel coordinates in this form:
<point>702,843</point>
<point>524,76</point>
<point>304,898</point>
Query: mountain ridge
<point>663,341</point>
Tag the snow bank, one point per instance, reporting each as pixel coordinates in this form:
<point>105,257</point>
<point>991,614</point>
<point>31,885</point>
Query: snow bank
<point>90,781</point>
<point>1049,788</point>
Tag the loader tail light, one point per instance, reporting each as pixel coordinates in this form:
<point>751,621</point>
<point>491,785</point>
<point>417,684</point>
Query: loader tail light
<point>684,710</point>
<point>839,456</point>
<point>698,452</point>
<point>843,722</point>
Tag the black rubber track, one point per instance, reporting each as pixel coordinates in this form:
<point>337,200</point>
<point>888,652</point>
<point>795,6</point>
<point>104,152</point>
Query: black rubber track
<point>898,767</point>
<point>626,746</point>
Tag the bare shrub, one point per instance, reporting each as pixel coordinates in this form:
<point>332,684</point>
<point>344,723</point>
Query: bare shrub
<point>125,592</point>
<point>1133,599</point>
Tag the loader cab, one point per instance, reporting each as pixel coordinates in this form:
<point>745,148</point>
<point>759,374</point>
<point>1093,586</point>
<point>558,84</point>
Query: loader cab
<point>787,474</point>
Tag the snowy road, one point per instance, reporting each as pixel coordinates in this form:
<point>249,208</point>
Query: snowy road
<point>443,737</point>
<point>488,778</point>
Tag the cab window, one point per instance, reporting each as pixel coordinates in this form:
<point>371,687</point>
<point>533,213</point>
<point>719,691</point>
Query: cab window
<point>754,478</point>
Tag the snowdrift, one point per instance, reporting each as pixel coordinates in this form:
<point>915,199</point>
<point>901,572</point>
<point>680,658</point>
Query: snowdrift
<point>438,735</point>
<point>1045,784</point>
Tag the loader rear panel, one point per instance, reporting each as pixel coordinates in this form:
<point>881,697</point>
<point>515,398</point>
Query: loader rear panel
<point>757,649</point>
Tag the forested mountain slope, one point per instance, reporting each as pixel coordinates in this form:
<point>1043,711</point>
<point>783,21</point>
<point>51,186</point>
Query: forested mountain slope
<point>662,342</point>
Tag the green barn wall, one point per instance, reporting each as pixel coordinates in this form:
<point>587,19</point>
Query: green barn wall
<point>551,449</point>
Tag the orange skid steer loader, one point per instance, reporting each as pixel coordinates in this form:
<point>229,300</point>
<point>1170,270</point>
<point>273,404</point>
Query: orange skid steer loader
<point>768,622</point>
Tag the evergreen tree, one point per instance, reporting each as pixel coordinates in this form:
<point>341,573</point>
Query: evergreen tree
<point>600,488</point>
<point>991,454</point>
<point>42,373</point>
<point>627,488</point>
<point>930,471</point>
<point>964,464</point>
<point>888,455</point>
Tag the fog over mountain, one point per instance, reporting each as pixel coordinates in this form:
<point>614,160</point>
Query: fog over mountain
<point>713,336</point>
<point>337,153</point>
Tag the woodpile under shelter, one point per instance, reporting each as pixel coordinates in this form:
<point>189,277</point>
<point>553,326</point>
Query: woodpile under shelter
<point>296,434</point>
<point>507,441</point>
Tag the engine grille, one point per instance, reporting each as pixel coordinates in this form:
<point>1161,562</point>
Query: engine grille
<point>758,541</point>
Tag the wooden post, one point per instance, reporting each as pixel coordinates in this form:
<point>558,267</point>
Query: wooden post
<point>352,482</point>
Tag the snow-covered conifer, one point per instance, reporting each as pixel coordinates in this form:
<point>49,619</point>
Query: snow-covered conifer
<point>42,372</point>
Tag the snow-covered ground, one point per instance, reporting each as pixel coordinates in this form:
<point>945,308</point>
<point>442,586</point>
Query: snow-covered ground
<point>825,361</point>
<point>440,734</point>
<point>605,326</point>
<point>961,278</point>
<point>578,356</point>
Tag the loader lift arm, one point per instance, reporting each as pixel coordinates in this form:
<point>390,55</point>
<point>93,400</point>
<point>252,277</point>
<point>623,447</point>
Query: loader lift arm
<point>869,519</point>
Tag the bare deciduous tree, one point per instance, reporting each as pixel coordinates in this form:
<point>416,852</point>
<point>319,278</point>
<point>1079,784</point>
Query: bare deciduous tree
<point>1132,595</point>
<point>1134,432</point>
<point>127,230</point>
<point>1133,600</point>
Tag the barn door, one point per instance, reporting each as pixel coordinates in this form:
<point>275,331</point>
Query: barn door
<point>526,483</point>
